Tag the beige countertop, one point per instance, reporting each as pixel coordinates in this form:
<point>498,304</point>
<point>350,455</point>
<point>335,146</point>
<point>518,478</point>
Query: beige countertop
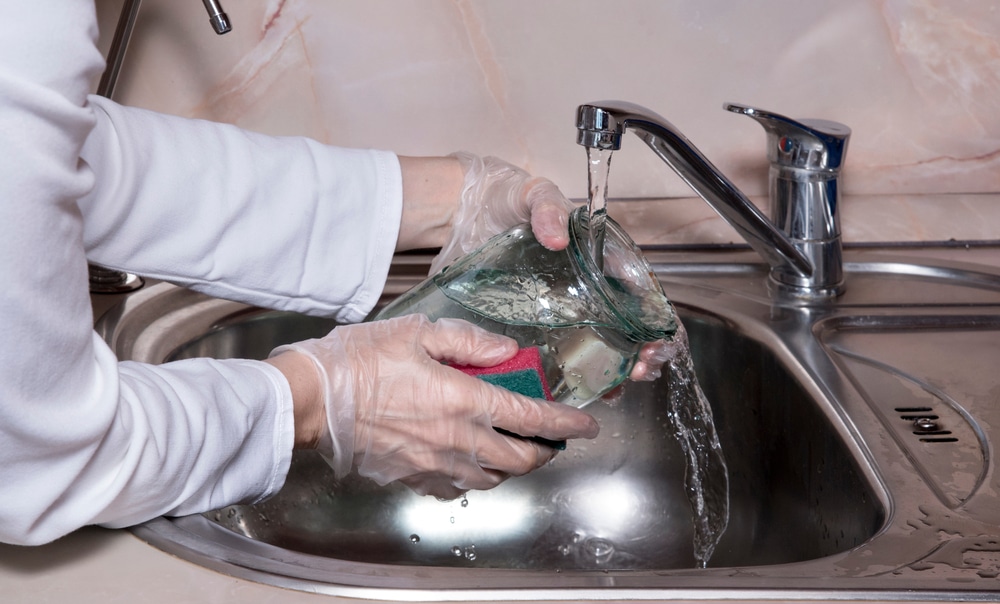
<point>110,566</point>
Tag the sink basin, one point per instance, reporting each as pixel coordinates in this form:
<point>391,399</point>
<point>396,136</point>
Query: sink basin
<point>624,490</point>
<point>832,485</point>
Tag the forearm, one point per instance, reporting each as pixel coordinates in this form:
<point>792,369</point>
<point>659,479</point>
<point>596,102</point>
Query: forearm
<point>307,397</point>
<point>431,190</point>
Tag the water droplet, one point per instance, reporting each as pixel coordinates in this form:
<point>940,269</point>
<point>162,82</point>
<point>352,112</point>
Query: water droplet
<point>465,502</point>
<point>456,551</point>
<point>564,550</point>
<point>414,538</point>
<point>600,549</point>
<point>452,520</point>
<point>470,552</point>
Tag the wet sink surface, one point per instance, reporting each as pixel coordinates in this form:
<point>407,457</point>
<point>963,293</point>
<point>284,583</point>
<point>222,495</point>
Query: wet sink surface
<point>616,502</point>
<point>923,375</point>
<point>832,484</point>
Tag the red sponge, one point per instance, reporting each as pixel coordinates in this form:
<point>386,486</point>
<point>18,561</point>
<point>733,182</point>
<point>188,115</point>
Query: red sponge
<point>522,374</point>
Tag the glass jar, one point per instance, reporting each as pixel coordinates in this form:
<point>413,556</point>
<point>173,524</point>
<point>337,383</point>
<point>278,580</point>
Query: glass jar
<point>587,324</point>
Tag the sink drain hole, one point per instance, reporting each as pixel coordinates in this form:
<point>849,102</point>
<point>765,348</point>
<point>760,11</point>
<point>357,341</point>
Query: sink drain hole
<point>925,424</point>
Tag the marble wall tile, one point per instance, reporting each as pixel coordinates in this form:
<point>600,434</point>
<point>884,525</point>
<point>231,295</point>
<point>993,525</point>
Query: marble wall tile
<point>918,81</point>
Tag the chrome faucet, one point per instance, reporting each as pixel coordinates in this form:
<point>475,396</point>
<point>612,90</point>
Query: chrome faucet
<point>105,280</point>
<point>802,245</point>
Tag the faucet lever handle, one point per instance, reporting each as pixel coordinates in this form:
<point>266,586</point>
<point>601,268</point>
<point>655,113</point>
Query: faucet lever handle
<point>809,144</point>
<point>806,157</point>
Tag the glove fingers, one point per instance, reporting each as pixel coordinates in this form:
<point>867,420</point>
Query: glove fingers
<point>448,488</point>
<point>497,196</point>
<point>549,211</point>
<point>461,342</point>
<point>433,485</point>
<point>511,456</point>
<point>658,352</point>
<point>531,417</point>
<point>645,372</point>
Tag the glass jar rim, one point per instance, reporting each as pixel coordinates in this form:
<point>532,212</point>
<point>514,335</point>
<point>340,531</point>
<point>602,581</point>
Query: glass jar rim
<point>579,242</point>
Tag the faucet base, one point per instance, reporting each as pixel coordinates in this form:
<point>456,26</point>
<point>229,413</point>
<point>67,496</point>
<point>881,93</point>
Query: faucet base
<point>800,295</point>
<point>827,281</point>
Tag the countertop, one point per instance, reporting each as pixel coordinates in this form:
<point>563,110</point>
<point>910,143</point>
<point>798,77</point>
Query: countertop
<point>96,565</point>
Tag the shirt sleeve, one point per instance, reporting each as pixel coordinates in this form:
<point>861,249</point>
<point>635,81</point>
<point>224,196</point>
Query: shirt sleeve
<point>87,439</point>
<point>281,222</point>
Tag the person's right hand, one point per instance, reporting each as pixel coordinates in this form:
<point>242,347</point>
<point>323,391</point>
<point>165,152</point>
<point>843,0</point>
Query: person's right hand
<point>397,412</point>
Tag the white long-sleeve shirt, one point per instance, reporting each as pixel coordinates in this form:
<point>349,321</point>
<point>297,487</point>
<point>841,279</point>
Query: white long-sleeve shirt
<point>281,222</point>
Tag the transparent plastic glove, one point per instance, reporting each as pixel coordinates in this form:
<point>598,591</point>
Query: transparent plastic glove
<point>497,196</point>
<point>397,413</point>
<point>652,356</point>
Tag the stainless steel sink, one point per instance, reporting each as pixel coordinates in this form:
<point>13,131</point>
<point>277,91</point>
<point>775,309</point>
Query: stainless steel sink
<point>858,435</point>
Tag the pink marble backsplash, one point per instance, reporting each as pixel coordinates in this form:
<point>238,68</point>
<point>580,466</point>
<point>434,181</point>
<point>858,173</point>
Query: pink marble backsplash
<point>918,81</point>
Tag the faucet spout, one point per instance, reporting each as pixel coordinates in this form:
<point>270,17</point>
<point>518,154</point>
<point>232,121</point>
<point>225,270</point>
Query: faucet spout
<point>601,125</point>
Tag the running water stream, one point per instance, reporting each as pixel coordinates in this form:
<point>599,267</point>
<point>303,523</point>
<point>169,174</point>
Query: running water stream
<point>706,480</point>
<point>599,165</point>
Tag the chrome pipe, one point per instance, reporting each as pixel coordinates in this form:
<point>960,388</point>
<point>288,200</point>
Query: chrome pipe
<point>217,17</point>
<point>119,44</point>
<point>105,280</point>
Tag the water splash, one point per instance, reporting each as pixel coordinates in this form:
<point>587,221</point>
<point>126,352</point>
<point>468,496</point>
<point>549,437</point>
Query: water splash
<point>599,549</point>
<point>706,479</point>
<point>690,415</point>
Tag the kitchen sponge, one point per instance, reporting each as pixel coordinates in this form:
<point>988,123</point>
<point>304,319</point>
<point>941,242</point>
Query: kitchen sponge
<point>522,374</point>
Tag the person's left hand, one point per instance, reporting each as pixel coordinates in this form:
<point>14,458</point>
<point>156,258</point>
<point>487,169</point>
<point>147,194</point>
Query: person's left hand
<point>497,196</point>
